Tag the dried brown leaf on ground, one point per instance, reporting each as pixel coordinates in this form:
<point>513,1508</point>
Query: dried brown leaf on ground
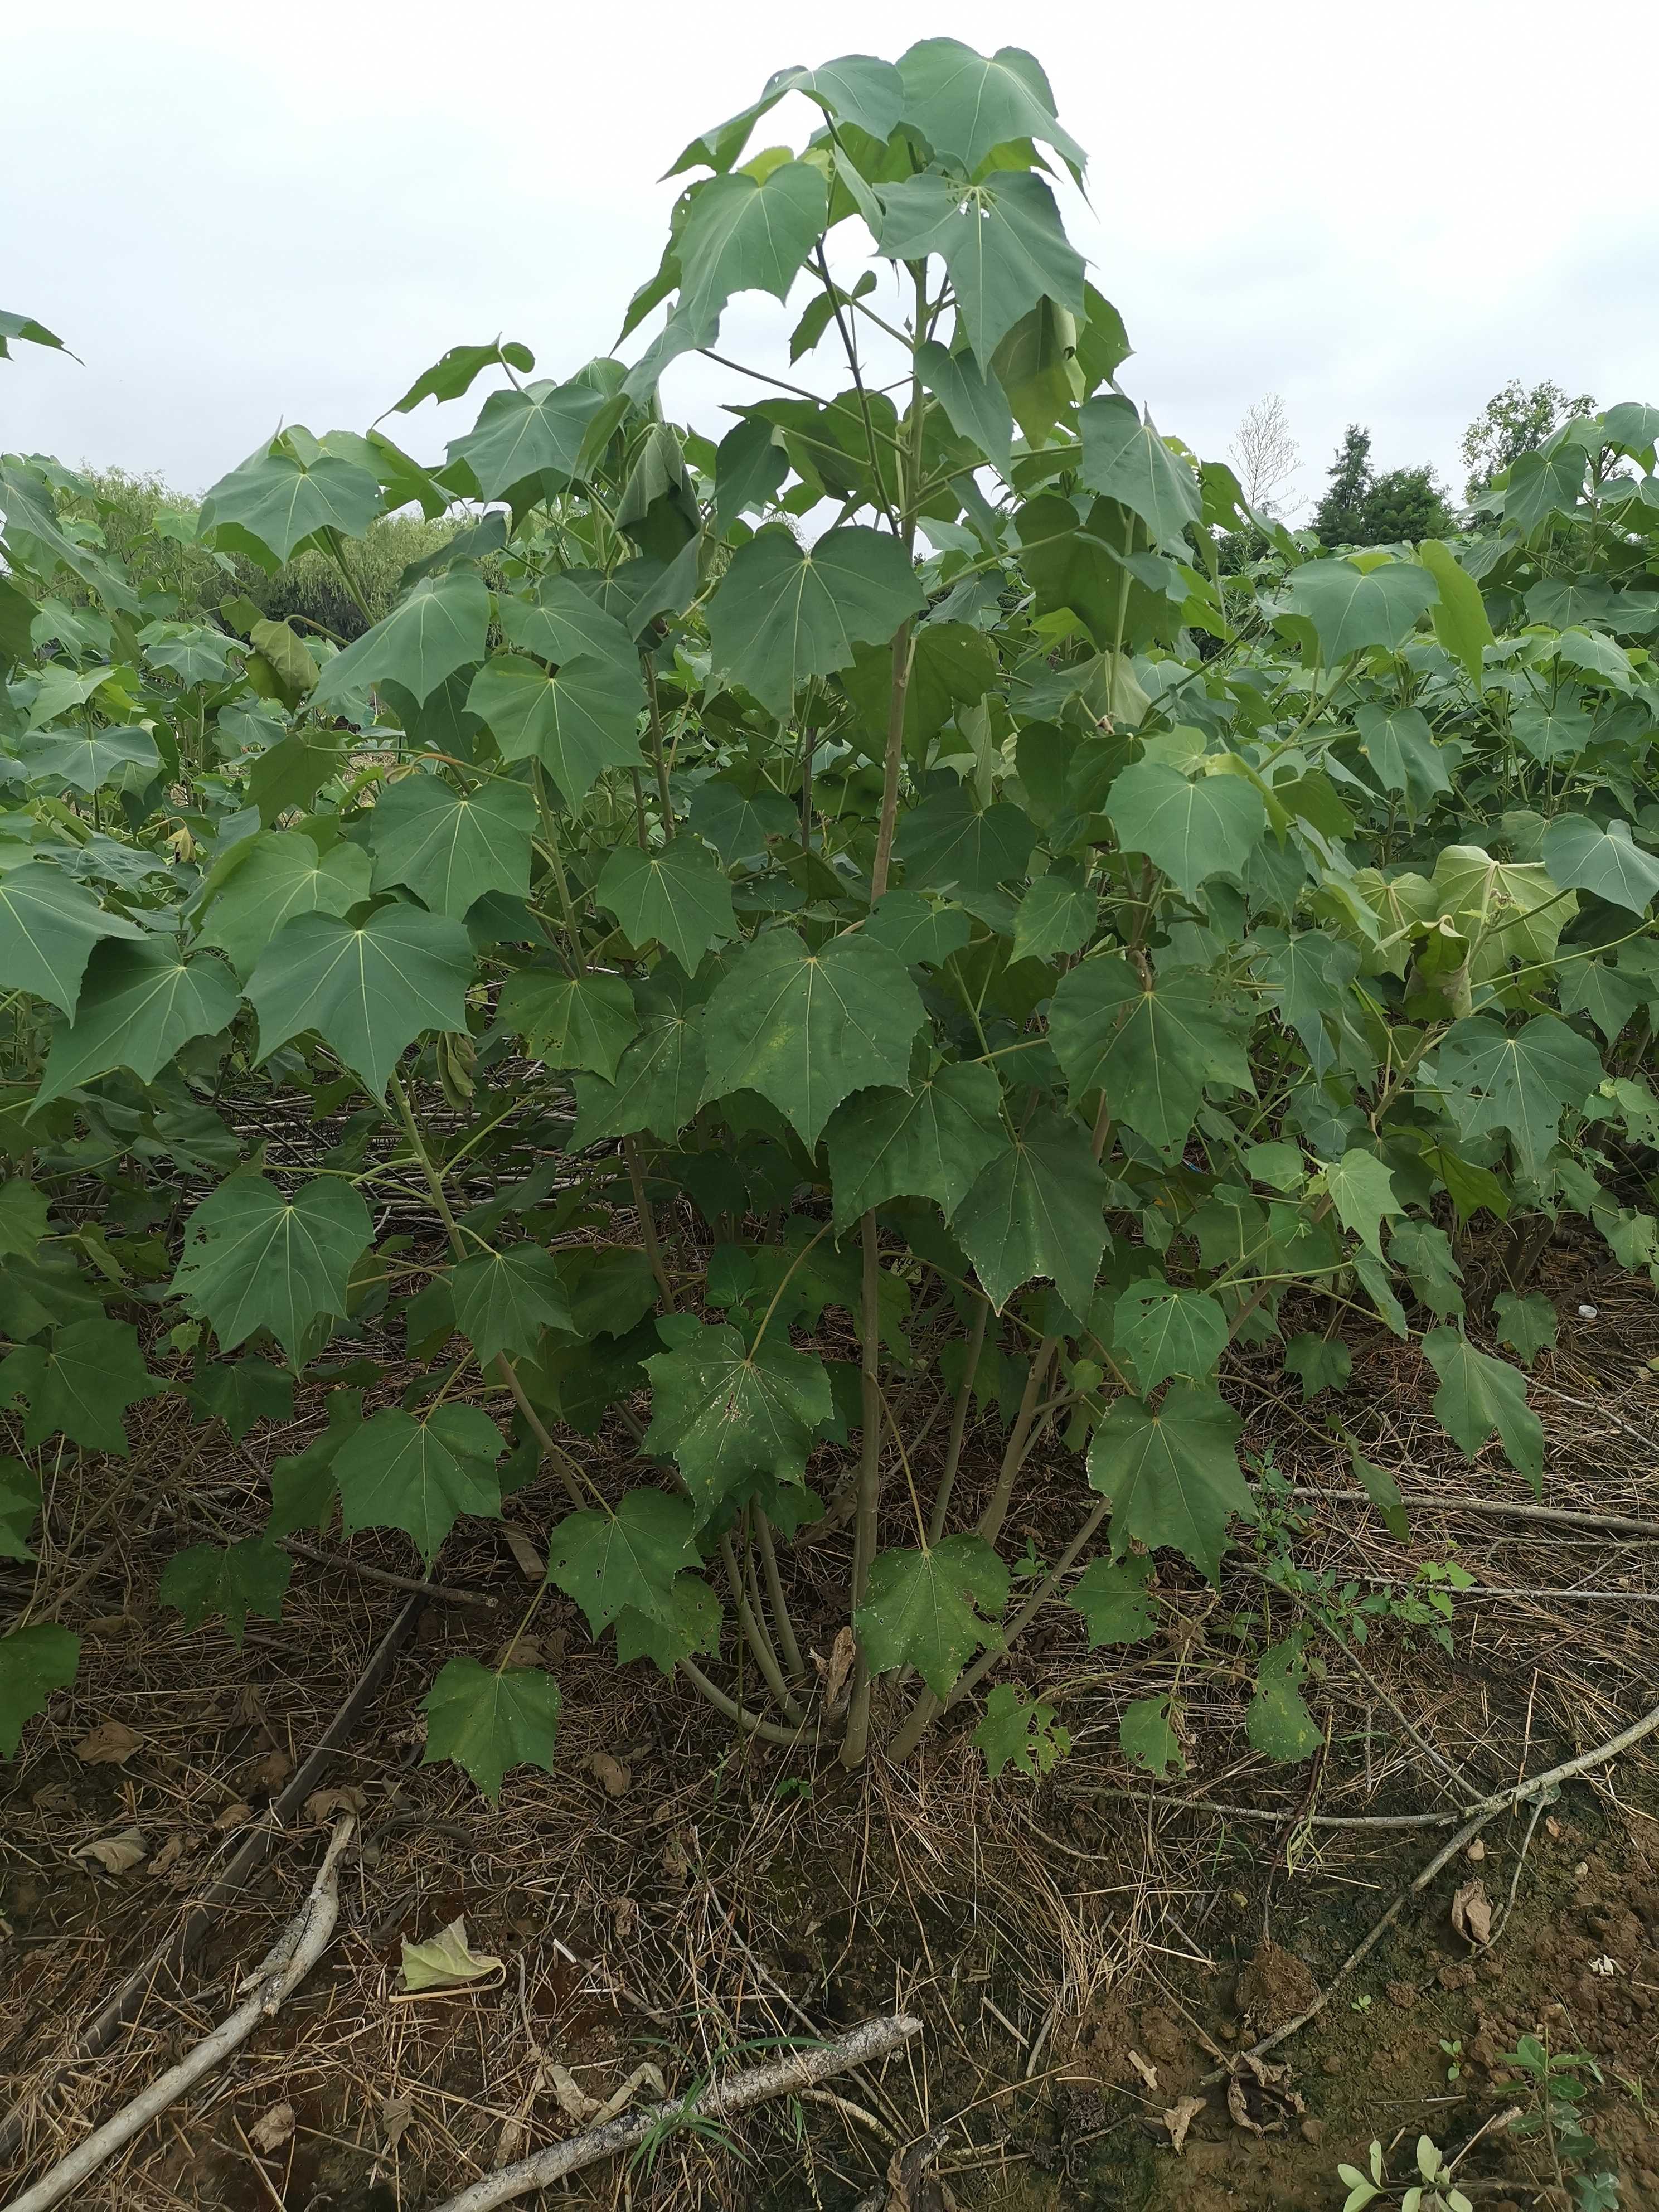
<point>115,1854</point>
<point>1179,2118</point>
<point>448,1961</point>
<point>615,1778</point>
<point>324,1805</point>
<point>1471,1913</point>
<point>272,2128</point>
<point>112,1743</point>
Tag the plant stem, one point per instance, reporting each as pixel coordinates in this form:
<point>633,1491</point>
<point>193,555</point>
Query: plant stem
<point>754,1634</point>
<point>958,1423</point>
<point>855,1743</point>
<point>647,1224</point>
<point>779,1604</point>
<point>740,1715</point>
<point>647,669</point>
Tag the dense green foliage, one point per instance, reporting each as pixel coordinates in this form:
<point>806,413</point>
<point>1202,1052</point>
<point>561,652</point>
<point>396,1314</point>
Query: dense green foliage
<point>868,900</point>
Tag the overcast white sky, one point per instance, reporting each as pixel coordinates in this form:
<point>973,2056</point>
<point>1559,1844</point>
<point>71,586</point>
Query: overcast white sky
<point>239,215</point>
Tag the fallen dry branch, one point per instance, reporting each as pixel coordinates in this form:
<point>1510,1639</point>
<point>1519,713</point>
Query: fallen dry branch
<point>780,2077</point>
<point>281,1971</point>
<point>199,1923</point>
<point>1508,1509</point>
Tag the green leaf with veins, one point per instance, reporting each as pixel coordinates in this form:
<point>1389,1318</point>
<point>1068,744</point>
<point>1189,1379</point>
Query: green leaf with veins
<point>86,759</point>
<point>20,1507</point>
<point>1148,1738</point>
<point>805,1028</point>
<point>269,879</point>
<point>23,1215</point>
<point>1125,459</point>
<point>948,843</point>
<point>1172,1475</point>
<point>1321,1363</point>
<point>1277,1722</point>
<point>1153,1053</point>
<point>450,848</point>
<point>677,894</point>
<point>1515,1083</point>
<point>1361,1189</point>
<point>456,371</point>
<point>34,1662</point>
<point>693,1623</point>
<point>785,612</point>
<point>274,502</point>
<point>537,432</point>
<point>1480,1396</point>
<point>1055,916</point>
<point>48,926</point>
<point>919,930</point>
<point>971,396</point>
<point>1037,1209</point>
<point>1351,608</point>
<point>1459,614</point>
<point>1401,747</point>
<point>255,1259</point>
<point>570,1021</point>
<point>1115,1597</point>
<point>1191,827</point>
<point>932,1141</point>
<point>138,1006</point>
<point>396,1472</point>
<point>725,1414</point>
<point>504,1300</point>
<point>966,104</point>
<point>920,1609</point>
<point>442,625</point>
<point>631,1558</point>
<point>1528,1323</point>
<point>1016,1734</point>
<point>659,1078</point>
<point>1164,1332</point>
<point>563,622</point>
<point>368,991</point>
<point>747,233</point>
<point>242,1393</point>
<point>81,1384</point>
<point>578,722</point>
<point>1001,240</point>
<point>1583,856</point>
<point>867,92</point>
<point>234,1579</point>
<point>490,1720</point>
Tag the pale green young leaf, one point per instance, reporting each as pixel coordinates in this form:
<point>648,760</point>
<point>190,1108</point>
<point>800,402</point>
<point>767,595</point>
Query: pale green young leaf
<point>570,1021</point>
<point>368,991</point>
<point>1172,1473</point>
<point>396,1472</point>
<point>80,1384</point>
<point>1480,1396</point>
<point>923,1609</point>
<point>138,1004</point>
<point>805,1028</point>
<point>677,894</point>
<point>930,1142</point>
<point>1191,827</point>
<point>1583,856</point>
<point>1277,1722</point>
<point>725,1414</point>
<point>534,433</point>
<point>489,1721</point>
<point>1361,1189</point>
<point>34,1662</point>
<point>1125,459</point>
<point>504,1300</point>
<point>256,1259</point>
<point>270,880</point>
<point>232,1579</point>
<point>450,848</point>
<point>1037,1209</point>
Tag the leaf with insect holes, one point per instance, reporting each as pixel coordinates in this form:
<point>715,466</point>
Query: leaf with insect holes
<point>1172,1473</point>
<point>1115,1599</point>
<point>807,1028</point>
<point>396,1472</point>
<point>450,848</point>
<point>570,1021</point>
<point>1019,1734</point>
<point>234,1580</point>
<point>504,1300</point>
<point>368,991</point>
<point>920,1608</point>
<point>610,1561</point>
<point>80,1384</point>
<point>1277,1722</point>
<point>488,1723</point>
<point>1479,1395</point>
<point>689,1622</point>
<point>678,895</point>
<point>34,1662</point>
<point>725,1414</point>
<point>255,1259</point>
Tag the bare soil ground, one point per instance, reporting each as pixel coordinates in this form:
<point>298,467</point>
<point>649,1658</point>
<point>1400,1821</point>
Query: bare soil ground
<point>1083,1951</point>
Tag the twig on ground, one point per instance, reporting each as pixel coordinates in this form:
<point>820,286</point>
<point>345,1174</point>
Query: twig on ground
<point>1620,1524</point>
<point>285,1966</point>
<point>440,1593</point>
<point>780,2077</point>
